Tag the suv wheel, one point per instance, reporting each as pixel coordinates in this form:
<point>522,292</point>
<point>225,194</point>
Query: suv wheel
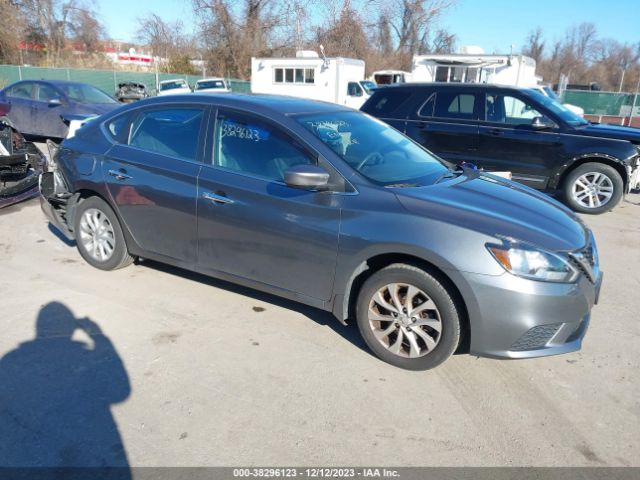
<point>593,188</point>
<point>408,318</point>
<point>99,236</point>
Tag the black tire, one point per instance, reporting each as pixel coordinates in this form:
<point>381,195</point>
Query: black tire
<point>120,257</point>
<point>449,336</point>
<point>612,177</point>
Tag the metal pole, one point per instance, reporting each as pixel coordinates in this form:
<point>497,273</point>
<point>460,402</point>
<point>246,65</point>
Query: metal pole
<point>633,103</point>
<point>621,80</point>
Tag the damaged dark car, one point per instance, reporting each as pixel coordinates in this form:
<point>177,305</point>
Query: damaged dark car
<point>20,163</point>
<point>129,92</point>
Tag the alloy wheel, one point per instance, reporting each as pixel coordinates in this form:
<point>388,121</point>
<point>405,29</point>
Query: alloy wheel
<point>405,320</point>
<point>97,235</point>
<point>592,190</point>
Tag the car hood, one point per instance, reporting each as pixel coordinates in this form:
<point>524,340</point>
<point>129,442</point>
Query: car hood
<point>498,208</point>
<point>611,131</point>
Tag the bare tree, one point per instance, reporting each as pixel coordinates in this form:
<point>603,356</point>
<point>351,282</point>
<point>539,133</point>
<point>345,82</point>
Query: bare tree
<point>11,30</point>
<point>534,45</point>
<point>85,28</point>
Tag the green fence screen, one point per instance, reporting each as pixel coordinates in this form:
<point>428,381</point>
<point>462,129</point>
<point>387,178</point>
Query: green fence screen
<point>106,80</point>
<point>603,103</point>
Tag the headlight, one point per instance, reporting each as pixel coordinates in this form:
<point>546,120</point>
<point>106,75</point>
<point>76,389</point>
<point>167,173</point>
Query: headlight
<point>530,262</point>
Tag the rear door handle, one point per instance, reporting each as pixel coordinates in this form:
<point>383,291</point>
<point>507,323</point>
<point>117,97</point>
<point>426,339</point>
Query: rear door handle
<point>215,198</point>
<point>119,174</point>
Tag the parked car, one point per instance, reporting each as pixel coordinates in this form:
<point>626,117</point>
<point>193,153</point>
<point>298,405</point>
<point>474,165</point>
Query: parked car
<point>20,163</point>
<point>329,207</point>
<point>42,107</point>
<point>212,85</point>
<point>548,91</point>
<point>171,87</point>
<point>543,144</point>
<point>131,91</point>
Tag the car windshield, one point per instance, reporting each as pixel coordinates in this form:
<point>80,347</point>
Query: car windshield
<point>375,150</point>
<point>173,85</point>
<point>81,93</point>
<point>559,110</point>
<point>368,86</point>
<point>210,84</point>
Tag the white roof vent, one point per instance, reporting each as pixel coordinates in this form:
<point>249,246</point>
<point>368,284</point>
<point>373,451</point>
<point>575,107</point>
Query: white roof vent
<point>306,54</point>
<point>471,50</point>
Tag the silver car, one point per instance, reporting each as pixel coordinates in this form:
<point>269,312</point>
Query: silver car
<point>332,208</point>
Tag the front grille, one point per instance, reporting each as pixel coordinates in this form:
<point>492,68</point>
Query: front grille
<point>535,338</point>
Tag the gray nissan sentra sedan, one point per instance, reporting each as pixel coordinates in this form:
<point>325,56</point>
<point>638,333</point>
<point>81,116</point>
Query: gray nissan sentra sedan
<point>332,208</point>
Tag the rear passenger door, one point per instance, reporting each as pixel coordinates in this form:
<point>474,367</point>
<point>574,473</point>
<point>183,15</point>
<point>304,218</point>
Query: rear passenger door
<point>20,98</point>
<point>446,122</point>
<point>251,224</point>
<point>151,174</point>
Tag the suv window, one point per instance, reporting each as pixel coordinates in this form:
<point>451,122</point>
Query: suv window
<point>510,110</point>
<point>20,91</point>
<point>173,132</point>
<point>455,105</point>
<point>427,107</point>
<point>248,145</point>
<point>387,102</point>
<point>46,93</point>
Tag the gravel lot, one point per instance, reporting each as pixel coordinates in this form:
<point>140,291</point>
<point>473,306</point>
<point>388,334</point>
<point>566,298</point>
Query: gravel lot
<point>207,373</point>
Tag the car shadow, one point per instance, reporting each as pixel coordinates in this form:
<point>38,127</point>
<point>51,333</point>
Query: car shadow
<point>348,332</point>
<point>56,398</point>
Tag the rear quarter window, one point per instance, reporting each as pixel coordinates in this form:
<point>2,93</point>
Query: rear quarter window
<point>385,103</point>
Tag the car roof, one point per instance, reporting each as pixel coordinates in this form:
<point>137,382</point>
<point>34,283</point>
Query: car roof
<point>255,102</point>
<point>174,80</point>
<point>55,82</point>
<point>456,86</point>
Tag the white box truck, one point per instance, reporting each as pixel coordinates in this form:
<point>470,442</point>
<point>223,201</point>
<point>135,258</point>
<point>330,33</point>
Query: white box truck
<point>472,65</point>
<point>338,80</point>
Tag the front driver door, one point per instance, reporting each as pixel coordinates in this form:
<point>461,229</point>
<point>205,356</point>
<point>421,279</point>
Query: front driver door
<point>45,116</point>
<point>151,177</point>
<point>508,142</point>
<point>253,226</point>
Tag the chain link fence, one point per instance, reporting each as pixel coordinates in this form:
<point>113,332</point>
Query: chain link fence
<point>106,80</point>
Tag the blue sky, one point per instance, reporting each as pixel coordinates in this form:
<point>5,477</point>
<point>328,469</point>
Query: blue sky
<point>492,24</point>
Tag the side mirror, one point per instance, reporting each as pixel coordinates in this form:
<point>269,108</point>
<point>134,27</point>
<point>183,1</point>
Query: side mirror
<point>539,123</point>
<point>307,177</point>
<point>55,102</point>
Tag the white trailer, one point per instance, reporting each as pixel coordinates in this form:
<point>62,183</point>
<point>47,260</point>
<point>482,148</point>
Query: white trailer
<point>515,70</point>
<point>390,77</point>
<point>338,80</point>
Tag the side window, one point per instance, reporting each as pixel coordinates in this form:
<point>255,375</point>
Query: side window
<point>427,108</point>
<point>172,131</point>
<point>354,90</point>
<point>509,110</point>
<point>387,102</point>
<point>118,128</point>
<point>46,93</point>
<point>248,145</point>
<point>21,91</point>
<point>455,105</point>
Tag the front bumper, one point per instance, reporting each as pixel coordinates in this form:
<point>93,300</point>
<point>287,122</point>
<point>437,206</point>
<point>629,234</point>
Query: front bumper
<point>512,317</point>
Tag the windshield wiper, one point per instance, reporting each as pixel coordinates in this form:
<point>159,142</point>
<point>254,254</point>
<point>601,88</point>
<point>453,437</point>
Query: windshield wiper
<point>401,185</point>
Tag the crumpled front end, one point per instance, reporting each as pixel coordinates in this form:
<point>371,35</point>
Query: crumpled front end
<point>21,163</point>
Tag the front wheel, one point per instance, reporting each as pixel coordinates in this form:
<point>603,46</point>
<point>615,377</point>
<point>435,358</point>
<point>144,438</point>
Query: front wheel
<point>408,318</point>
<point>99,237</point>
<point>593,188</point>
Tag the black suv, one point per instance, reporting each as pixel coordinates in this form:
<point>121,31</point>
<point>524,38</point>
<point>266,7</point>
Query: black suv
<point>499,128</point>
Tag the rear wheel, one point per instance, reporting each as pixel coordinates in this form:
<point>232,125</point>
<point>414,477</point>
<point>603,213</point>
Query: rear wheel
<point>99,237</point>
<point>593,188</point>
<point>408,318</point>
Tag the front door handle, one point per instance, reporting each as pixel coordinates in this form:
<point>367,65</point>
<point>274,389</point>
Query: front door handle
<point>495,132</point>
<point>215,198</point>
<point>120,174</point>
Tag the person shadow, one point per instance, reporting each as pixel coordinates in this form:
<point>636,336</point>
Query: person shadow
<point>55,397</point>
